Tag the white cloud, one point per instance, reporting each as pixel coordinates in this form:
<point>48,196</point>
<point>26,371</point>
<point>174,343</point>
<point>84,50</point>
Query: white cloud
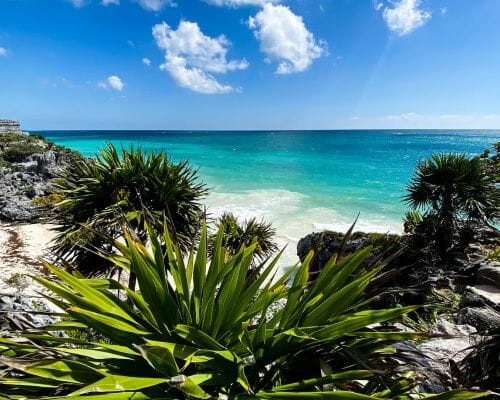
<point>240,3</point>
<point>155,5</point>
<point>404,16</point>
<point>146,61</point>
<point>192,57</point>
<point>78,3</point>
<point>284,37</point>
<point>3,51</point>
<point>109,2</point>
<point>113,82</point>
<point>411,116</point>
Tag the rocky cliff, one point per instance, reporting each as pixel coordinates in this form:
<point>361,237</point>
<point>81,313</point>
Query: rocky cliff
<point>28,165</point>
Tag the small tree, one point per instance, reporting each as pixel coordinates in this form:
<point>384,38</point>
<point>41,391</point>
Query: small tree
<point>452,191</point>
<point>132,188</point>
<point>236,235</point>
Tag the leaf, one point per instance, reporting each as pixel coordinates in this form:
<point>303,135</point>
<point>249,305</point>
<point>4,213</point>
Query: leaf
<point>458,395</point>
<point>198,337</point>
<point>161,359</point>
<point>109,326</point>
<point>117,383</point>
<point>324,380</point>
<point>64,371</point>
<point>189,387</point>
<point>343,395</point>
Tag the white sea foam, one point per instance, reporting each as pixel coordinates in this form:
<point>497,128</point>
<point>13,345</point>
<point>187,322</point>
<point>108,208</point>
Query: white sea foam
<point>292,216</point>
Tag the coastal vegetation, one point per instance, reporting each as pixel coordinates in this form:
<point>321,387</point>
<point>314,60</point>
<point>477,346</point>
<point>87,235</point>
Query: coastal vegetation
<point>128,187</point>
<point>238,234</point>
<point>456,194</point>
<point>207,316</point>
<point>196,330</point>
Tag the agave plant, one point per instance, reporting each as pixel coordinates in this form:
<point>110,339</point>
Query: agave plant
<point>195,330</point>
<point>102,194</point>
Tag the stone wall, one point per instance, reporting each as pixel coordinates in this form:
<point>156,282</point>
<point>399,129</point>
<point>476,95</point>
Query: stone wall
<point>9,126</point>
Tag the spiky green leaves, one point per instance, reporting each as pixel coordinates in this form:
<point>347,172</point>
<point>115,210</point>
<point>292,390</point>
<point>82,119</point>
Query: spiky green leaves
<point>202,331</point>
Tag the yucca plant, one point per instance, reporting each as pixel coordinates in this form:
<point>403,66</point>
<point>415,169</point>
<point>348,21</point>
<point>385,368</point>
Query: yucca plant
<point>196,330</point>
<point>131,186</point>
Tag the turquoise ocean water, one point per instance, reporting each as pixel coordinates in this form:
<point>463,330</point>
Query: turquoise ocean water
<point>302,181</point>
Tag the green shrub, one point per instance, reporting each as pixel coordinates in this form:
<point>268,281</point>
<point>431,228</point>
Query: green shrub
<point>198,331</point>
<point>454,193</point>
<point>49,200</point>
<point>130,187</point>
<point>238,234</point>
<point>18,151</point>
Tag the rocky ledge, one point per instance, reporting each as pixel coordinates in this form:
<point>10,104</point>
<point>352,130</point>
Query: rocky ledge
<point>28,166</point>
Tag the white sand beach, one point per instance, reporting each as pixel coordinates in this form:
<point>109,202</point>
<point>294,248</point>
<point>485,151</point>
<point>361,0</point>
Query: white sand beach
<point>21,248</point>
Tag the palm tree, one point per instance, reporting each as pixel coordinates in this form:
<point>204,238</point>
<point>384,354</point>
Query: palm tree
<point>132,188</point>
<point>452,191</point>
<point>236,235</point>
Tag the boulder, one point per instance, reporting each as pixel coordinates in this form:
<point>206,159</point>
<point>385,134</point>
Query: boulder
<point>481,295</point>
<point>489,274</point>
<point>326,244</point>
<point>443,326</point>
<point>31,177</point>
<point>482,318</point>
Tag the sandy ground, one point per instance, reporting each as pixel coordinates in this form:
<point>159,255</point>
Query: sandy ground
<point>21,248</point>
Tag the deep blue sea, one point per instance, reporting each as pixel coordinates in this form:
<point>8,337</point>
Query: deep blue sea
<point>301,181</point>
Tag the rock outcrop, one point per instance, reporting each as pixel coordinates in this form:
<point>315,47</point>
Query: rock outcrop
<point>326,244</point>
<point>28,165</point>
<point>475,277</point>
<point>20,312</point>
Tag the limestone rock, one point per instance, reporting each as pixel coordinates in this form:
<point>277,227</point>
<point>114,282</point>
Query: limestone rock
<point>444,326</point>
<point>28,164</point>
<point>480,317</point>
<point>18,311</point>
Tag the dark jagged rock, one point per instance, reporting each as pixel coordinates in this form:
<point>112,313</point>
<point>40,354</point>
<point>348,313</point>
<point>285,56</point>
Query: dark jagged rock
<point>326,244</point>
<point>489,274</point>
<point>482,318</point>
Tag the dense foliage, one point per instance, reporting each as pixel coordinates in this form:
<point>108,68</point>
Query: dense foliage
<point>455,193</point>
<point>102,193</point>
<point>197,330</point>
<point>238,234</point>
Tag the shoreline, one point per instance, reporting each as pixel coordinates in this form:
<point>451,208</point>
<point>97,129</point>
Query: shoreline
<point>23,245</point>
<point>291,219</point>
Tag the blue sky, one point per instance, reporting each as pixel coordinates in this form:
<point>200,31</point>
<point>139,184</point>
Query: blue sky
<point>250,64</point>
